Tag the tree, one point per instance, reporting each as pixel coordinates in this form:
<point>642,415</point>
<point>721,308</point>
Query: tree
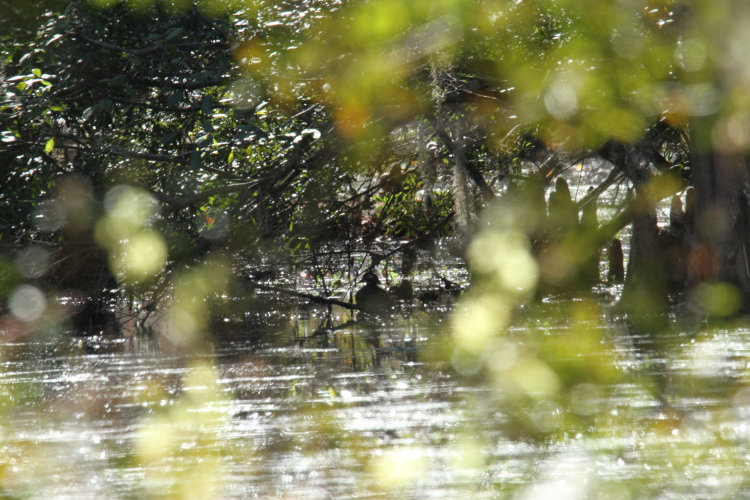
<point>146,154</point>
<point>655,88</point>
<point>254,124</point>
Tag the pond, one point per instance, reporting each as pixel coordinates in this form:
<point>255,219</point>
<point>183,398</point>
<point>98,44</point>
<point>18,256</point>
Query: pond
<point>375,408</point>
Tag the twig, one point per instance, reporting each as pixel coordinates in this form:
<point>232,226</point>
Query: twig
<point>614,176</point>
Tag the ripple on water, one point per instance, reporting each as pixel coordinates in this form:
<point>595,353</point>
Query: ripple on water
<point>352,412</point>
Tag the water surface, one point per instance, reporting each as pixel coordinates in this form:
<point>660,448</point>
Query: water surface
<point>375,408</point>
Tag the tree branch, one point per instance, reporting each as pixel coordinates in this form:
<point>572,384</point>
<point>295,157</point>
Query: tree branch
<point>142,51</point>
<point>308,296</point>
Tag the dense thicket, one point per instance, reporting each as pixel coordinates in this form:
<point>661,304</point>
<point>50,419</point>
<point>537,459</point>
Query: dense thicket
<point>120,125</point>
<point>147,137</point>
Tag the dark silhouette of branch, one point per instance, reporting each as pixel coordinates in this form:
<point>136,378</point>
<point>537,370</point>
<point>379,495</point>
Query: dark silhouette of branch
<point>293,293</point>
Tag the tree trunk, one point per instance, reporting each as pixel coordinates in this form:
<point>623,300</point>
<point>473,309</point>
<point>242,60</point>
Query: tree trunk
<point>719,249</point>
<point>462,203</point>
<point>645,295</point>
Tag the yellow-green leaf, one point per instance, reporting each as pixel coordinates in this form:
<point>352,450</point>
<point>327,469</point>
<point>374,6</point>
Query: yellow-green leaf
<point>50,145</point>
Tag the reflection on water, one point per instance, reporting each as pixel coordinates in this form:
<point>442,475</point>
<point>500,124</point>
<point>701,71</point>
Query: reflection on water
<point>341,409</point>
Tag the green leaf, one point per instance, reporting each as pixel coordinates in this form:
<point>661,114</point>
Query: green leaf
<point>231,157</point>
<point>207,105</point>
<point>173,33</point>
<point>169,138</point>
<point>37,72</point>
<point>107,105</point>
<point>195,159</point>
<point>50,145</point>
<point>89,112</point>
<point>173,100</point>
<point>118,80</point>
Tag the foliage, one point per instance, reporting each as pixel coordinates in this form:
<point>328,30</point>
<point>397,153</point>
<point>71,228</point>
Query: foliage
<point>130,140</point>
